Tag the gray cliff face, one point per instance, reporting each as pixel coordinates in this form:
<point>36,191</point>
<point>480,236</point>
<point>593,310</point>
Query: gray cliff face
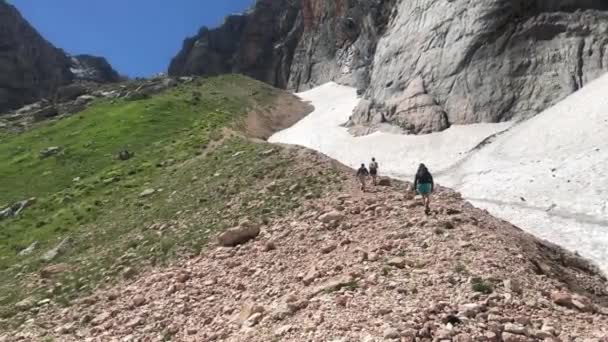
<point>259,44</point>
<point>485,61</point>
<point>31,68</point>
<point>338,42</point>
<point>422,65</point>
<point>294,44</point>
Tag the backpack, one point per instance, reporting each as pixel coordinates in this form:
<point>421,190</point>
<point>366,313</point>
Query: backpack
<point>373,165</point>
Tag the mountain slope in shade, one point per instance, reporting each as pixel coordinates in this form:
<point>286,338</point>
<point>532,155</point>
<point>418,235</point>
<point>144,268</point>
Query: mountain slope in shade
<point>32,68</point>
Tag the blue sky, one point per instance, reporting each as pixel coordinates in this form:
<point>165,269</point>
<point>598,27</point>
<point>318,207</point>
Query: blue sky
<point>138,37</point>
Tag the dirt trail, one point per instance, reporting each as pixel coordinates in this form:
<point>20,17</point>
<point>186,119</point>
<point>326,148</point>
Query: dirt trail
<point>286,110</point>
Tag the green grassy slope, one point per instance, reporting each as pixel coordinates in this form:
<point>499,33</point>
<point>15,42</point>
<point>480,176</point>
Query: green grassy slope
<point>204,182</point>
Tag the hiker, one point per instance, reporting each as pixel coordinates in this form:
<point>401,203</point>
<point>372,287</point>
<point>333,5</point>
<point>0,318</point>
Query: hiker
<point>373,170</point>
<point>424,185</point>
<point>362,174</point>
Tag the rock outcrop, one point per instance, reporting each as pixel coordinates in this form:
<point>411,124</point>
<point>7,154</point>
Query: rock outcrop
<point>484,61</point>
<point>93,68</point>
<point>31,68</point>
<point>78,95</point>
<point>413,110</point>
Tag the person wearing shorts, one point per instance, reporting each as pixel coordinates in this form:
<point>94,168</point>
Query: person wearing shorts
<point>373,170</point>
<point>424,185</point>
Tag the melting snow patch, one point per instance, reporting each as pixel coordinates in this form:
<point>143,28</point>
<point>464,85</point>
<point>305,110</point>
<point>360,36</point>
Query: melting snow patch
<point>556,162</point>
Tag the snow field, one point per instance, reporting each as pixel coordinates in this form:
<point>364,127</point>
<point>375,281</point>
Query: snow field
<point>547,175</point>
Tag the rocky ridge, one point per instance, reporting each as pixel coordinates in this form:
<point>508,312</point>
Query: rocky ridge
<point>487,61</point>
<point>350,267</point>
<point>77,96</point>
<point>31,68</point>
<point>93,69</point>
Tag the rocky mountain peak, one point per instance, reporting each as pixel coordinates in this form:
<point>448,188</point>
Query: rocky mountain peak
<point>93,68</point>
<point>31,68</point>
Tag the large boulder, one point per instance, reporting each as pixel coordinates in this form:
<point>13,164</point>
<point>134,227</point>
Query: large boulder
<point>413,110</point>
<point>239,235</point>
<point>45,113</point>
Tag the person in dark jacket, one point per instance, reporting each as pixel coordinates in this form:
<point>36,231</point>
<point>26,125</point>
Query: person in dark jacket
<point>424,185</point>
<point>362,175</point>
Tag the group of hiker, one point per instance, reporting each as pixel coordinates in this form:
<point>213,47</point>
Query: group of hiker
<point>423,182</point>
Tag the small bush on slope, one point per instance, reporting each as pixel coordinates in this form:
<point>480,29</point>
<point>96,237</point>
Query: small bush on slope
<point>205,186</point>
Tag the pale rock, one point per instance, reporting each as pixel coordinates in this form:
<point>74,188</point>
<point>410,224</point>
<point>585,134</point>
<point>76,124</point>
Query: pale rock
<point>396,262</point>
<point>44,302</point>
<point>491,336</point>
<point>139,300</point>
<point>26,304</point>
<point>58,250</point>
<point>239,235</point>
<point>183,277</point>
<point>134,322</point>
<point>281,311</point>
<point>328,249</point>
<point>283,330</point>
<point>129,273</point>
<point>254,319</point>
<point>582,303</point>
<point>334,284</point>
<point>147,192</point>
<point>331,216</point>
<point>469,310</point>
<point>29,250</point>
<point>515,329</point>
<point>463,338</point>
<point>101,318</point>
<point>547,328</point>
<point>67,328</point>
<point>84,99</point>
<point>373,257</point>
<point>50,151</point>
<point>269,246</point>
<point>311,275</point>
<point>247,311</point>
<point>562,298</point>
<point>53,270</point>
<point>510,337</point>
<point>513,286</point>
<point>540,334</point>
<point>391,333</point>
